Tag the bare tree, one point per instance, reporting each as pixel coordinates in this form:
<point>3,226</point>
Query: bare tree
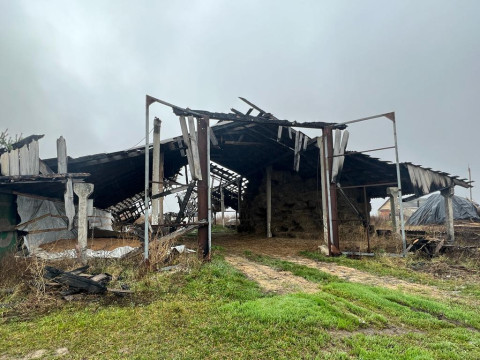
<point>6,141</point>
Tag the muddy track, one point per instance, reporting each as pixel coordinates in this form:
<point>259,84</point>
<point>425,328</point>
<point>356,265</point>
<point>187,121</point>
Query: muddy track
<point>271,280</point>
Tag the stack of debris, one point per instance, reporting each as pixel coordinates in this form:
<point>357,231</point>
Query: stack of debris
<point>77,281</point>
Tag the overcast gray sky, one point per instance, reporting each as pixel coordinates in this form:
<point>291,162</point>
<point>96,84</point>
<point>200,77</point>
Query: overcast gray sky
<point>81,69</point>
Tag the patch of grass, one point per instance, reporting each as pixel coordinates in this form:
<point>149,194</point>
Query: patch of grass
<point>399,268</point>
<point>408,309</point>
<point>213,311</point>
<point>379,265</point>
<point>306,272</point>
<point>321,309</point>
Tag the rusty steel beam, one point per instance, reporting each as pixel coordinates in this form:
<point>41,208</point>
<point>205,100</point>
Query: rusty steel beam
<point>202,189</point>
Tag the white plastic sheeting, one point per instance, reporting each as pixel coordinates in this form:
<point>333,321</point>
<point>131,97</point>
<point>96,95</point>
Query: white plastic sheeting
<point>29,209</point>
<point>51,215</point>
<point>71,254</point>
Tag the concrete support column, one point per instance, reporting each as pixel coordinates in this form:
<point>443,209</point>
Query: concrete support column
<point>448,198</point>
<point>222,205</point>
<point>83,191</point>
<point>269,202</point>
<point>392,192</point>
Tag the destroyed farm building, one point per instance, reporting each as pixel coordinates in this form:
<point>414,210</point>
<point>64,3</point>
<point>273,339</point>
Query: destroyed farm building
<point>270,173</point>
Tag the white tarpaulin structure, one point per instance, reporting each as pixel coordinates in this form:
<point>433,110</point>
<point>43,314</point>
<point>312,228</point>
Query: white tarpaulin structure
<point>46,222</point>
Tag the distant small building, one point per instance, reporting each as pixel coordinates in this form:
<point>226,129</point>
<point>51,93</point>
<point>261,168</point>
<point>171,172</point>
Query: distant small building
<point>409,208</point>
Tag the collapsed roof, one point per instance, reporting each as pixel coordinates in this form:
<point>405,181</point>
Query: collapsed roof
<point>245,144</point>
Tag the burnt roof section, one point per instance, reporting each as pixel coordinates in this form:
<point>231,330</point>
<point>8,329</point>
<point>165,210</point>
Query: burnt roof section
<point>247,144</point>
<point>261,118</point>
<point>119,175</point>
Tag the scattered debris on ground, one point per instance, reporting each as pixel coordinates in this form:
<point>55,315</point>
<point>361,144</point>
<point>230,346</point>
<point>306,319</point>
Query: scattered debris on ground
<point>77,281</point>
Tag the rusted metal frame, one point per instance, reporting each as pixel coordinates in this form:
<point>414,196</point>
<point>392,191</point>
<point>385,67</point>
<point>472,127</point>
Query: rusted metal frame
<point>203,188</point>
<point>171,191</point>
<point>391,117</point>
<point>38,219</point>
<point>369,185</point>
<point>333,189</point>
<point>364,151</point>
<point>42,177</point>
<point>387,115</point>
<point>183,205</point>
<point>367,224</point>
<point>177,224</point>
<point>324,190</point>
<point>254,106</point>
<point>255,119</point>
<point>359,214</point>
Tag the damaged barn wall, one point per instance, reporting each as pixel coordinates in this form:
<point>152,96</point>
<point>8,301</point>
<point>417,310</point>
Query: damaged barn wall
<point>46,222</point>
<point>296,206</point>
<point>8,217</point>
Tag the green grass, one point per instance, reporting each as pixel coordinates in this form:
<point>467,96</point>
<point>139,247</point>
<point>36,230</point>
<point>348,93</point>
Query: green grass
<point>215,312</point>
<point>398,268</point>
<point>306,272</point>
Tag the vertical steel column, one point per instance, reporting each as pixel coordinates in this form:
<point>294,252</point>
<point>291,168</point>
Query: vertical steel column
<point>156,172</point>
<point>333,190</point>
<point>209,195</point>
<point>147,161</point>
<point>203,189</point>
<point>367,217</point>
<point>239,200</point>
<point>269,201</point>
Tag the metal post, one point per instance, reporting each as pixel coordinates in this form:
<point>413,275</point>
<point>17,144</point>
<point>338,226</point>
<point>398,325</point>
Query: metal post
<point>203,188</point>
<point>399,184</point>
<point>269,202</point>
<point>222,205</point>
<point>156,172</point>
<point>239,199</point>
<point>470,180</point>
<point>367,218</point>
<point>326,231</point>
<point>147,161</point>
<point>207,121</point>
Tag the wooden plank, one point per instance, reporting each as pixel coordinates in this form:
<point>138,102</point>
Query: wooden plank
<point>343,147</point>
<point>62,155</point>
<point>14,164</point>
<point>279,133</point>
<point>180,146</point>
<point>69,205</point>
<point>213,138</point>
<point>24,157</point>
<point>74,281</point>
<point>195,153</point>
<point>34,157</point>
<point>5,164</point>
<point>305,142</point>
<point>186,140</point>
<point>295,151</point>
<point>43,168</point>
<point>167,238</point>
